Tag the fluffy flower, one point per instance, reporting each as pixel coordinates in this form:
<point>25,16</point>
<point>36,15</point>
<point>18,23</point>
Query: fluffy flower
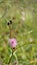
<point>13,42</point>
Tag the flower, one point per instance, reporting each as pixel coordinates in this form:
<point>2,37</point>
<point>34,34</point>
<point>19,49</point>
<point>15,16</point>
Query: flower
<point>13,42</point>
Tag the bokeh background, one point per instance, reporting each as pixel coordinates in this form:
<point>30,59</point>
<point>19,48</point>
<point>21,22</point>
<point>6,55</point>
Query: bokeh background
<point>23,14</point>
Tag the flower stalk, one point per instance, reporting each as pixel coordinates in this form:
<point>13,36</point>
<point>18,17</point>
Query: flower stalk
<point>12,41</point>
<point>10,27</point>
<point>10,58</point>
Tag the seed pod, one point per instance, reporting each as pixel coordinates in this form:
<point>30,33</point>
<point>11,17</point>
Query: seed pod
<point>10,22</point>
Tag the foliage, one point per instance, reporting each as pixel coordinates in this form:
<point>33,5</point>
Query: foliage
<point>24,31</point>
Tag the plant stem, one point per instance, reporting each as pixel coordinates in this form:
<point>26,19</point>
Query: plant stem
<point>10,27</point>
<point>10,58</point>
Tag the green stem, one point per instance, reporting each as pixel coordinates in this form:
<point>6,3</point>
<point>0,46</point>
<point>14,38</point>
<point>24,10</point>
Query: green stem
<point>10,27</point>
<point>10,58</point>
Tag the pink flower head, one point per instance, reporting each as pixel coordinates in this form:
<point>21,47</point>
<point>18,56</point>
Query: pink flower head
<point>13,42</point>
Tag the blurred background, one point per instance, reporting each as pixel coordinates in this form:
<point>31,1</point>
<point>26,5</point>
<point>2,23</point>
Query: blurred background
<point>23,14</point>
